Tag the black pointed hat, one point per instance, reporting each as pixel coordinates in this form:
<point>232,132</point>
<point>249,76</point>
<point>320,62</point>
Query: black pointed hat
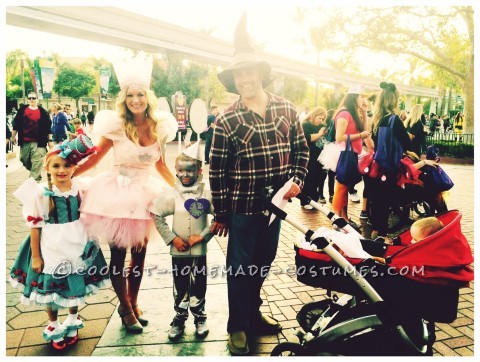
<point>244,56</point>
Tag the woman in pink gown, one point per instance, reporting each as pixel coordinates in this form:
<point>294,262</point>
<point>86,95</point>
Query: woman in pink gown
<point>114,208</point>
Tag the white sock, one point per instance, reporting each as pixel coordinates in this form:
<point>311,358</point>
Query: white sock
<point>71,319</point>
<point>72,333</point>
<point>54,324</point>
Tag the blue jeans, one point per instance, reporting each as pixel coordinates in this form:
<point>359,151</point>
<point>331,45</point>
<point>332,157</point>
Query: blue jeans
<point>252,244</point>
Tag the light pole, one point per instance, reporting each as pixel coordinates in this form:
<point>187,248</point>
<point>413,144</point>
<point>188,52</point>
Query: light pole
<point>316,80</point>
<point>23,78</point>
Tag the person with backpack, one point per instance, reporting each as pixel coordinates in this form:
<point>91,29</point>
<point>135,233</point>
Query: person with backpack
<point>330,137</point>
<point>349,122</point>
<point>314,129</point>
<point>384,187</point>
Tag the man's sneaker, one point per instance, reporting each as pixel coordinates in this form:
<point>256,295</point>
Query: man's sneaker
<point>354,225</point>
<point>176,330</point>
<point>363,215</point>
<point>308,207</point>
<point>237,343</point>
<point>354,197</point>
<point>201,329</point>
<point>322,200</point>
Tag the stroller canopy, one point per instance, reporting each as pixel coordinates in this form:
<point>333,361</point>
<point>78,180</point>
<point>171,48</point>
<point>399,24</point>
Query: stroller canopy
<point>443,257</point>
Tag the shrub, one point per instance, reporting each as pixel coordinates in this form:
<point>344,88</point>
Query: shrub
<point>456,150</point>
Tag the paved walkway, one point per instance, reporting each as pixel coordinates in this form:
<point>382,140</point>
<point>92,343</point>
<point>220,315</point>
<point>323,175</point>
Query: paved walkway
<point>103,335</point>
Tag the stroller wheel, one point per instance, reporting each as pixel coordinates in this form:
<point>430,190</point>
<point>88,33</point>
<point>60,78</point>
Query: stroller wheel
<point>398,217</point>
<point>422,208</point>
<point>288,349</point>
<point>310,312</point>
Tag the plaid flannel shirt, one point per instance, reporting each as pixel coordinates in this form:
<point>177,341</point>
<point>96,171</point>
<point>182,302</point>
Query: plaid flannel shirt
<point>249,153</point>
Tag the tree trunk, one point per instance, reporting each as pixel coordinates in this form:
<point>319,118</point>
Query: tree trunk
<point>468,123</point>
<point>449,103</point>
<point>442,104</point>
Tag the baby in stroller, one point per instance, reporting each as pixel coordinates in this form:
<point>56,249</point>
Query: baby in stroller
<point>422,228</point>
<point>391,305</point>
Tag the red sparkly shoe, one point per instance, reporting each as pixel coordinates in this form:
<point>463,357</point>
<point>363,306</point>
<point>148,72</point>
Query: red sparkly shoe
<point>71,340</point>
<point>59,345</point>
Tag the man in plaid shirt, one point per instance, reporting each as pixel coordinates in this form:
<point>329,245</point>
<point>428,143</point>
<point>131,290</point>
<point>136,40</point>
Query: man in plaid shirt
<point>257,143</point>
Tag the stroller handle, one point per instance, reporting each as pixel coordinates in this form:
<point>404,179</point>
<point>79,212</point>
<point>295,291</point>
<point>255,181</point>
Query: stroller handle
<point>336,220</point>
<point>327,246</point>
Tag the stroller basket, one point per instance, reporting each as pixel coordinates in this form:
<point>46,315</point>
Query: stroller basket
<point>423,278</point>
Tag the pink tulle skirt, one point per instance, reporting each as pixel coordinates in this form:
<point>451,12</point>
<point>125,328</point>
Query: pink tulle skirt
<point>120,233</point>
<point>115,210</point>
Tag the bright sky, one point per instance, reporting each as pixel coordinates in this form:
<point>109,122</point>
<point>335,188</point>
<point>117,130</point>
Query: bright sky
<point>270,23</point>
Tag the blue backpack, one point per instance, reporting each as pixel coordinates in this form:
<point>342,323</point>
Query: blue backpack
<point>389,150</point>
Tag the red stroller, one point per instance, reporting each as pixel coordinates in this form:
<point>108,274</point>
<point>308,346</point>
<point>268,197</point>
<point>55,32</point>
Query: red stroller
<point>389,309</point>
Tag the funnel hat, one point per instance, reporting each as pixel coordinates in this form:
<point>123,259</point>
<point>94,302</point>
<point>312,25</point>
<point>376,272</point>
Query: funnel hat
<point>244,56</point>
<point>194,152</point>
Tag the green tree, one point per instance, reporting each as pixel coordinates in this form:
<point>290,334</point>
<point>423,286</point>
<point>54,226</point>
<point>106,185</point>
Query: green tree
<point>429,34</point>
<point>14,61</point>
<point>294,89</point>
<point>14,86</point>
<point>172,73</point>
<point>212,90</point>
<point>73,82</point>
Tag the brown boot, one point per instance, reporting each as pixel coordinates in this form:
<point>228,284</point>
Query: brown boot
<point>237,343</point>
<point>265,325</point>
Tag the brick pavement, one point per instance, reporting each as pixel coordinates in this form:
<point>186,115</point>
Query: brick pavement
<point>284,295</point>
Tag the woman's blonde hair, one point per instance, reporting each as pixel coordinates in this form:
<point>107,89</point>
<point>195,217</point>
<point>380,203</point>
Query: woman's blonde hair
<point>315,112</point>
<point>58,106</point>
<point>414,115</point>
<point>386,103</point>
<point>128,122</point>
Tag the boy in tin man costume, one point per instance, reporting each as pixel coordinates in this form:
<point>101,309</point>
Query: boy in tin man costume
<point>190,204</point>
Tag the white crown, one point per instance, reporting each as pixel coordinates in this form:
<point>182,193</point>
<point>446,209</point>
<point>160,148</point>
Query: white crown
<point>136,70</point>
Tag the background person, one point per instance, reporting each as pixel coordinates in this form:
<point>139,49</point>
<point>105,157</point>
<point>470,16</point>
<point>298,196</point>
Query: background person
<point>209,132</point>
<point>33,126</point>
<point>384,190</point>
<point>314,128</point>
<point>414,126</point>
<point>60,125</point>
<point>349,123</point>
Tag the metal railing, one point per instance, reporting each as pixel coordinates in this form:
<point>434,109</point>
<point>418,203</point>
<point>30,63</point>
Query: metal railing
<point>451,138</point>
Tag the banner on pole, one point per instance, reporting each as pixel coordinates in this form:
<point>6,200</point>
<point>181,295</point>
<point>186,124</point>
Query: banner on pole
<point>47,76</point>
<point>37,80</point>
<point>179,101</point>
<point>105,74</point>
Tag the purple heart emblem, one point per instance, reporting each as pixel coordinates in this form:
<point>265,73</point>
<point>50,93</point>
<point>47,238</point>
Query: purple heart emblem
<point>197,207</point>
